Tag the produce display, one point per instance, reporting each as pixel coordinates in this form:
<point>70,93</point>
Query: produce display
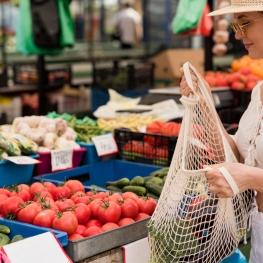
<point>71,209</point>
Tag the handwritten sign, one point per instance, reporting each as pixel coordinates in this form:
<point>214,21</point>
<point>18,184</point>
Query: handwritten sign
<point>22,160</point>
<point>61,159</point>
<point>105,144</point>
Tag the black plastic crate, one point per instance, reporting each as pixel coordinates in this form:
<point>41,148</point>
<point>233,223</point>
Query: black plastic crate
<point>145,148</point>
<point>231,115</point>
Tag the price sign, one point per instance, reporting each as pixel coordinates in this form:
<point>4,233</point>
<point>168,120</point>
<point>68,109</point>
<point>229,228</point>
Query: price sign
<point>105,144</point>
<point>61,159</point>
<point>22,160</point>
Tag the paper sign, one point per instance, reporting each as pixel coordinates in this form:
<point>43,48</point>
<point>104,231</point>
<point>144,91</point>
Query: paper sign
<point>41,248</point>
<point>105,144</point>
<point>138,251</point>
<point>61,159</point>
<point>22,160</point>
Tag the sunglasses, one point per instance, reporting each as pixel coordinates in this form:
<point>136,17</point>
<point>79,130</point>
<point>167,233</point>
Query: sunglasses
<point>235,26</point>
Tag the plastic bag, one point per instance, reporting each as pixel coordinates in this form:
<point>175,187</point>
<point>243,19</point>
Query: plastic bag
<point>189,223</point>
<point>188,15</point>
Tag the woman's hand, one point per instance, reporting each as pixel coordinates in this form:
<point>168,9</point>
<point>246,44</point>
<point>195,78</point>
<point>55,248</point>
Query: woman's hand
<point>218,183</point>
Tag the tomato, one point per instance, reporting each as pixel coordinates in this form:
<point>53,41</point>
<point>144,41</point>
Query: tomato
<point>91,231</point>
<point>90,193</point>
<point>114,197</point>
<point>63,204</point>
<point>129,208</point>
<point>24,194</point>
<point>65,221</point>
<point>94,206</point>
<point>75,237</point>
<point>41,196</point>
<point>77,194</point>
<point>9,208</point>
<point>109,212</point>
<point>45,218</point>
<point>109,226</point>
<point>75,185</point>
<point>146,205</point>
<point>27,213</point>
<point>125,221</point>
<point>50,204</point>
<point>130,195</point>
<point>83,199</point>
<point>60,192</point>
<point>93,222</point>
<point>5,191</point>
<point>82,212</point>
<point>141,216</point>
<point>100,195</point>
<point>23,187</point>
<point>195,202</point>
<point>3,197</point>
<point>36,188</point>
<point>50,186</point>
<point>80,230</point>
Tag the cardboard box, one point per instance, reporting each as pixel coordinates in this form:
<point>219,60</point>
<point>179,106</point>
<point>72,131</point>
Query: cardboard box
<point>169,62</point>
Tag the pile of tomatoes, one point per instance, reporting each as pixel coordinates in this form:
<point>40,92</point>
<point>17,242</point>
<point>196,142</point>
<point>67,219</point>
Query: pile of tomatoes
<point>70,209</point>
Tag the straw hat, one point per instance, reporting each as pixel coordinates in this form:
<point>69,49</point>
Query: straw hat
<point>239,6</point>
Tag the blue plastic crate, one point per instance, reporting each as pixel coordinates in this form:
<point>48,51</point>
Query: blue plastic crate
<point>11,173</point>
<point>99,173</point>
<point>90,156</point>
<point>28,230</point>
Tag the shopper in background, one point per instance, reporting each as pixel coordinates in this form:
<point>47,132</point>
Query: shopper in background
<point>247,143</point>
<point>128,23</point>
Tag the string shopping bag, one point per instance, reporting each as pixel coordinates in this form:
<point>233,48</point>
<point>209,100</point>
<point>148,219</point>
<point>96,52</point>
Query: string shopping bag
<point>189,223</point>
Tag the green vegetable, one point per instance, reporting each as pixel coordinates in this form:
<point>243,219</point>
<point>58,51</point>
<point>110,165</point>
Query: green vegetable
<point>154,188</point>
<point>96,187</point>
<point>9,145</point>
<point>155,180</point>
<point>4,239</point>
<point>16,238</point>
<point>4,229</point>
<point>120,183</point>
<point>152,195</point>
<point>137,181</point>
<point>113,188</point>
<point>139,190</point>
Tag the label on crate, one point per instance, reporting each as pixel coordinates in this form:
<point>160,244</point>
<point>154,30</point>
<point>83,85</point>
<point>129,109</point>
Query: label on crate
<point>61,159</point>
<point>22,160</point>
<point>105,144</point>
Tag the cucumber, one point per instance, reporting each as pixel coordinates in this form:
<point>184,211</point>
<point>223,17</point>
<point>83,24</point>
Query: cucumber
<point>137,181</point>
<point>152,195</point>
<point>120,183</point>
<point>4,229</point>
<point>96,187</point>
<point>147,178</point>
<point>155,180</point>
<point>4,239</point>
<point>139,190</point>
<point>154,188</point>
<point>16,238</point>
<point>113,188</point>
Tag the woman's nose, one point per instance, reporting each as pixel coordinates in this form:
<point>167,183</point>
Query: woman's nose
<point>239,34</point>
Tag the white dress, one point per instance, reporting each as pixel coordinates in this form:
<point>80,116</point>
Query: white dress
<point>249,141</point>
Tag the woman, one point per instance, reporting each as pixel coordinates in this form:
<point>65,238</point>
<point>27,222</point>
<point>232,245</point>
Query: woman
<point>247,144</point>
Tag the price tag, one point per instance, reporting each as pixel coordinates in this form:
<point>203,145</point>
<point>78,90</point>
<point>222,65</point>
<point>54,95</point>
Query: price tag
<point>105,144</point>
<point>61,159</point>
<point>22,160</point>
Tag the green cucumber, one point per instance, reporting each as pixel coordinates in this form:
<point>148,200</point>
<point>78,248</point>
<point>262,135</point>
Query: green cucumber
<point>120,183</point>
<point>113,188</point>
<point>4,239</point>
<point>16,238</point>
<point>137,181</point>
<point>4,229</point>
<point>155,180</point>
<point>139,190</point>
<point>154,188</point>
<point>152,195</point>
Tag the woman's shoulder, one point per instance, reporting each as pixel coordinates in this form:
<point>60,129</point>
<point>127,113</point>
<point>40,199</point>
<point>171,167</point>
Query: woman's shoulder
<point>255,94</point>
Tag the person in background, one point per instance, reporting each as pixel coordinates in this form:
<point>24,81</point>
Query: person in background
<point>128,23</point>
<point>247,143</point>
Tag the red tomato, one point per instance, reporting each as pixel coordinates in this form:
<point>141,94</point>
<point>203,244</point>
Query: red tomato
<point>80,230</point>
<point>77,194</point>
<point>75,237</point>
<point>90,193</point>
<point>27,213</point>
<point>64,204</point>
<point>61,192</point>
<point>23,187</point>
<point>41,196</point>
<point>146,205</point>
<point>45,218</point>
<point>94,206</point>
<point>91,231</point>
<point>36,188</point>
<point>5,191</point>
<point>23,194</point>
<point>195,202</point>
<point>75,185</point>
<point>130,195</point>
<point>100,195</point>
<point>50,205</point>
<point>3,197</point>
<point>50,186</point>
<point>129,208</point>
<point>109,226</point>
<point>65,221</point>
<point>83,199</point>
<point>93,222</point>
<point>125,221</point>
<point>141,216</point>
<point>109,212</point>
<point>114,197</point>
<point>82,212</point>
<point>9,208</point>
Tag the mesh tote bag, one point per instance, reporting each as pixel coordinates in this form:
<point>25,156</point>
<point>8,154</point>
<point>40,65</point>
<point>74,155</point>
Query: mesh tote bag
<point>189,223</point>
